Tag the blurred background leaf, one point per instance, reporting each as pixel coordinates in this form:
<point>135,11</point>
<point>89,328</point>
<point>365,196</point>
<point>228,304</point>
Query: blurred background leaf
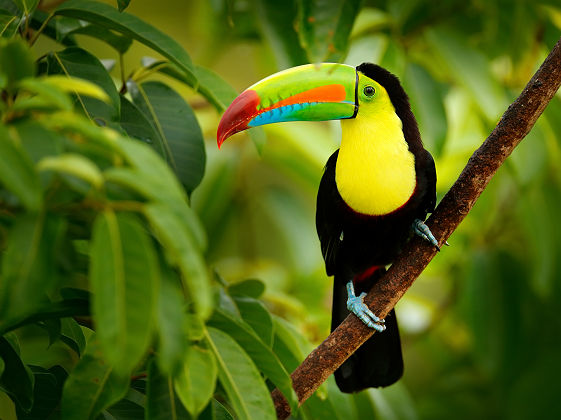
<point>480,328</point>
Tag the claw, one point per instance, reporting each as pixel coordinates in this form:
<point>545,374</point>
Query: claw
<point>424,232</point>
<point>356,305</point>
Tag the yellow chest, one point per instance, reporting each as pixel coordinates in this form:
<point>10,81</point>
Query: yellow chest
<point>375,172</point>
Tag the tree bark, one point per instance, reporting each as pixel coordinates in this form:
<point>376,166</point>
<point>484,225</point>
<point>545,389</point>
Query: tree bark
<point>514,125</point>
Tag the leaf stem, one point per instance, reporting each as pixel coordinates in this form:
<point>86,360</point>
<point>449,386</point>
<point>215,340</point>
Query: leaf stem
<point>41,29</point>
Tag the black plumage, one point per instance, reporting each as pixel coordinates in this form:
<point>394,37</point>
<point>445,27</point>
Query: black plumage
<point>353,243</point>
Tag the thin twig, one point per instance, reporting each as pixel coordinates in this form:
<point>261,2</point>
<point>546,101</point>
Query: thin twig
<point>514,125</point>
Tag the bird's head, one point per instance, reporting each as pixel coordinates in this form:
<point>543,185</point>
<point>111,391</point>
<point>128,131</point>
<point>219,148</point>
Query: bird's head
<point>312,92</point>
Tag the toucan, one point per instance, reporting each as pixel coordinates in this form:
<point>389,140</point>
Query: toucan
<point>375,192</point>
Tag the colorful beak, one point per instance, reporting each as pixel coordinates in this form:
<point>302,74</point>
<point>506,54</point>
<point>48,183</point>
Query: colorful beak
<point>313,92</point>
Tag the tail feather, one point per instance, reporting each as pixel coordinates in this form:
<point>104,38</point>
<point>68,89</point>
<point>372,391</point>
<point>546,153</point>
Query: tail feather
<point>378,362</point>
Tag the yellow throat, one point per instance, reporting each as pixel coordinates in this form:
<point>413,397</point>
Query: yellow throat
<point>375,172</point>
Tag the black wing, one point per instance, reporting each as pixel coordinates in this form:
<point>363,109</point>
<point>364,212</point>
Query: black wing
<point>328,222</point>
<point>429,200</point>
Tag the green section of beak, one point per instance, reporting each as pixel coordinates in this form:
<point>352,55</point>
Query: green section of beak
<point>313,92</point>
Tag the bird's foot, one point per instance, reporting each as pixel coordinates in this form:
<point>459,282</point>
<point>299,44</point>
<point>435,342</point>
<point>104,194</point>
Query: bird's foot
<point>356,305</point>
<point>424,232</point>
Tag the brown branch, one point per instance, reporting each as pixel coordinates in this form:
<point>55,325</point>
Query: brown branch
<point>515,123</point>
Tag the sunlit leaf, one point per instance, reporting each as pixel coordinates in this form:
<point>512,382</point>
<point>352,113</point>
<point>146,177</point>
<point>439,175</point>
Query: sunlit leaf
<point>46,97</point>
<point>74,165</point>
<point>99,97</point>
<point>125,280</point>
<point>240,379</point>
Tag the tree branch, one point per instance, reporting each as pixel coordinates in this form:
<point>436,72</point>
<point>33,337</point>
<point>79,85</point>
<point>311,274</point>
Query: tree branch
<point>515,123</point>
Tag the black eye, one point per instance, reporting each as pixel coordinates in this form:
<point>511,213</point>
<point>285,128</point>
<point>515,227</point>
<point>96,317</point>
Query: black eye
<point>369,90</point>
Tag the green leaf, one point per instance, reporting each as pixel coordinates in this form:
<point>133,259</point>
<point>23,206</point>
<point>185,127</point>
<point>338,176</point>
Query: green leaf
<point>72,335</point>
<point>393,403</point>
<point>125,280</point>
<point>67,27</point>
<point>135,123</point>
<point>74,165</point>
<point>46,97</point>
<point>196,380</point>
<point>16,379</point>
<point>257,316</point>
<point>209,84</point>
<point>92,386</point>
<point>76,62</point>
<point>324,28</point>
<point>260,353</point>
<point>129,408</point>
<point>161,401</point>
<point>123,4</point>
<point>16,62</point>
<point>172,323</point>
<point>17,173</point>
<point>428,107</point>
<point>64,308</point>
<point>216,411</point>
<point>182,251</point>
<point>26,6</point>
<point>470,68</point>
<point>151,172</point>
<point>277,25</point>
<point>179,138</point>
<point>251,287</point>
<point>37,141</point>
<point>9,24</point>
<point>28,265</point>
<point>107,17</point>
<point>52,326</point>
<point>244,386</point>
<point>287,344</point>
<point>46,393</point>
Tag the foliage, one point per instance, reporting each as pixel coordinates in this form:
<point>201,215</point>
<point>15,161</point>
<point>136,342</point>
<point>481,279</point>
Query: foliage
<point>128,267</point>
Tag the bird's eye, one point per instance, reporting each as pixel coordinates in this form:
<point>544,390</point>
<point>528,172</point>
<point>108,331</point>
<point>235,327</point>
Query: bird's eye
<point>369,90</point>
